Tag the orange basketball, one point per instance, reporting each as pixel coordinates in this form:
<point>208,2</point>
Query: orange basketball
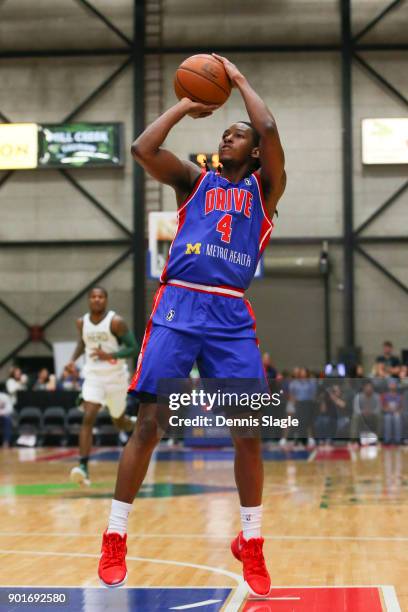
<point>202,78</point>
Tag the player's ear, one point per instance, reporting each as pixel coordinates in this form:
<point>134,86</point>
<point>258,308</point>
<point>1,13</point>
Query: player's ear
<point>255,152</point>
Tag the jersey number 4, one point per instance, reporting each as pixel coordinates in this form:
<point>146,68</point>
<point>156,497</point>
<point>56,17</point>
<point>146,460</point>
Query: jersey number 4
<point>224,226</point>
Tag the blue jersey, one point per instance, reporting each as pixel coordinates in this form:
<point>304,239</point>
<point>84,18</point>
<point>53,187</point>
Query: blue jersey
<point>222,231</point>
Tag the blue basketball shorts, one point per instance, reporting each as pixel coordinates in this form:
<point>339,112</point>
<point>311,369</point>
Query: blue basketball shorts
<point>195,325</point>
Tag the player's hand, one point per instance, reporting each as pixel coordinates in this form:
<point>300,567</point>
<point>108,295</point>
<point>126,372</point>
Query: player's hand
<point>71,367</point>
<point>230,68</point>
<point>198,110</point>
<point>101,355</point>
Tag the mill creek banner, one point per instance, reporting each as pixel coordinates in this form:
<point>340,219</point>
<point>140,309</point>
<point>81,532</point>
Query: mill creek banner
<point>77,145</point>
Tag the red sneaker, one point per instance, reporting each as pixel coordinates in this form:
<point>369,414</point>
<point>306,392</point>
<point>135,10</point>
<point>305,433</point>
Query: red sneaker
<point>112,564</point>
<point>249,552</point>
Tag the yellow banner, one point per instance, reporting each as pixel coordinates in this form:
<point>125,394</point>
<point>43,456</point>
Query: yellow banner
<point>18,146</point>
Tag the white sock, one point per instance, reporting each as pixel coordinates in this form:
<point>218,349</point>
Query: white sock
<point>251,519</point>
<point>118,518</point>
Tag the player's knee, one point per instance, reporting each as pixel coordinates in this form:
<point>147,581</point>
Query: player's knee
<point>89,418</point>
<point>147,431</point>
<point>119,423</point>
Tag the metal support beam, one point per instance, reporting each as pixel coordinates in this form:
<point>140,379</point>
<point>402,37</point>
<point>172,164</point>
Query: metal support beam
<point>347,125</point>
<point>139,268</point>
<point>188,50</point>
<point>6,177</point>
<point>106,21</point>
<point>85,289</point>
<point>381,79</point>
<point>377,19</point>
<point>96,202</point>
<point>383,270</point>
<point>14,352</point>
<point>14,315</point>
<point>3,118</point>
<point>97,91</point>
<point>382,208</point>
<point>64,244</point>
<point>382,239</point>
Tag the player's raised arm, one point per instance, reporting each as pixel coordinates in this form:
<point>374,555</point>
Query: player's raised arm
<point>271,154</point>
<point>162,164</point>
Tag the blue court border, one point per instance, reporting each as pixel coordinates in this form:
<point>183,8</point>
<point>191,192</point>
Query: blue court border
<point>140,599</point>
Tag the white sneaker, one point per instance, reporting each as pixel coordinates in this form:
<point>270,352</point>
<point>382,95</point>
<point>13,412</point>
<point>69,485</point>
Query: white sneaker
<point>123,437</point>
<point>79,476</point>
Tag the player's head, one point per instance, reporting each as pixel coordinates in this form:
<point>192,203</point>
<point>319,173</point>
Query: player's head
<point>98,299</point>
<point>240,145</point>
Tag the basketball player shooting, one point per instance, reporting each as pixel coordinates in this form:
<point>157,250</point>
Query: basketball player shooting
<point>227,216</point>
<point>106,341</point>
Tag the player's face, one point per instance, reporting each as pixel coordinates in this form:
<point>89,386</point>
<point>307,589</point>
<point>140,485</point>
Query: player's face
<point>236,144</point>
<point>97,301</point>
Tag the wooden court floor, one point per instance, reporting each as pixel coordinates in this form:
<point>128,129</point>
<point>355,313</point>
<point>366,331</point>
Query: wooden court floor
<point>331,519</point>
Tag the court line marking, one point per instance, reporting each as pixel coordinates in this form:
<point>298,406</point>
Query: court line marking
<point>197,536</point>
<point>236,601</point>
<point>216,570</point>
<point>390,598</point>
<point>197,604</point>
<point>312,456</point>
<point>124,587</point>
<point>237,598</point>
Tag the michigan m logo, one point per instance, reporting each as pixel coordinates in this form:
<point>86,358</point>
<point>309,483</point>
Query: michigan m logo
<point>193,248</point>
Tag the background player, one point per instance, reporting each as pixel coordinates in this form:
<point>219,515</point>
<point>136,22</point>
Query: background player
<point>106,376</point>
<point>199,313</point>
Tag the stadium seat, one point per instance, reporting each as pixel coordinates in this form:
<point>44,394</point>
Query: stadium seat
<point>54,424</point>
<point>106,432</point>
<point>29,425</point>
<point>73,422</point>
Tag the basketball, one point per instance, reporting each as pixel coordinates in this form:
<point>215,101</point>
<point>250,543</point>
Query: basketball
<point>202,78</point>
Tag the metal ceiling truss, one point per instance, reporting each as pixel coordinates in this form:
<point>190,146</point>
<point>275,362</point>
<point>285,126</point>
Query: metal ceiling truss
<point>356,238</point>
<point>135,50</point>
<point>127,242</point>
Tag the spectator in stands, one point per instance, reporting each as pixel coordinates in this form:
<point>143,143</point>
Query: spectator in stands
<point>6,422</point>
<point>392,414</point>
<point>379,377</point>
<point>17,381</point>
<point>45,381</point>
<point>366,412</point>
<point>70,380</point>
<point>270,370</point>
<point>339,410</point>
<point>390,362</point>
<point>323,425</point>
<point>302,393</point>
<point>403,377</point>
<point>404,391</point>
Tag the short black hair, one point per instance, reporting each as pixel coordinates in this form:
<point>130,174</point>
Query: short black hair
<point>99,289</point>
<point>255,134</point>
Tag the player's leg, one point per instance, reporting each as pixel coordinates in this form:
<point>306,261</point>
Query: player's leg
<point>249,473</point>
<point>231,358</point>
<point>116,396</point>
<point>124,423</point>
<point>80,473</point>
<point>168,354</point>
<point>152,421</point>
